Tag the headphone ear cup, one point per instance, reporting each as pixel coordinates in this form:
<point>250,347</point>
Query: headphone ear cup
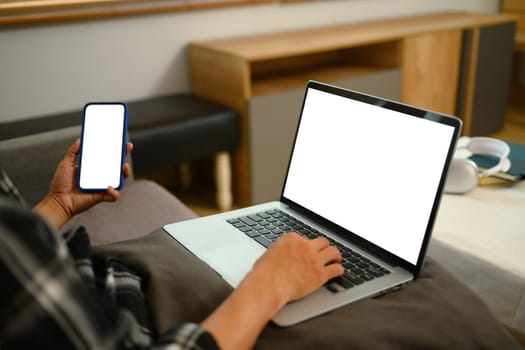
<point>463,175</point>
<point>505,165</point>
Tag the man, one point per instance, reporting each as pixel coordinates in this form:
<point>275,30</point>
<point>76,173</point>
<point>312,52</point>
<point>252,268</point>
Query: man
<point>54,292</point>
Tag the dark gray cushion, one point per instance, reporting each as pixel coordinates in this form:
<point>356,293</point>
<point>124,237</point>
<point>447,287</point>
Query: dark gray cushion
<point>175,128</point>
<point>434,312</point>
<point>41,124</point>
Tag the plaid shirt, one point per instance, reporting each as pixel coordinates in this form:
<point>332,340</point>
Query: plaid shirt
<point>55,294</point>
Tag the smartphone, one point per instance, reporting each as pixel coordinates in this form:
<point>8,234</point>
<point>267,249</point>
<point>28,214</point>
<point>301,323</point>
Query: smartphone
<point>102,146</point>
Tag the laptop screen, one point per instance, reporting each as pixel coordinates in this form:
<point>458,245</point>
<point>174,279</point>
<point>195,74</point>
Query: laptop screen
<point>372,170</point>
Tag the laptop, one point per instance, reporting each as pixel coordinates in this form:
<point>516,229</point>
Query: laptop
<point>365,172</point>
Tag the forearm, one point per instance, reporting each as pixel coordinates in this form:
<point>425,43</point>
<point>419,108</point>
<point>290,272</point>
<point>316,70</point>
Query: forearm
<point>240,319</point>
<point>52,212</point>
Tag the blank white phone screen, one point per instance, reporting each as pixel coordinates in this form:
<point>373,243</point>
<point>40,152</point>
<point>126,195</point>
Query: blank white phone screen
<point>102,146</point>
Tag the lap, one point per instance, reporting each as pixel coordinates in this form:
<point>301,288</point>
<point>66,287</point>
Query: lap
<point>435,311</point>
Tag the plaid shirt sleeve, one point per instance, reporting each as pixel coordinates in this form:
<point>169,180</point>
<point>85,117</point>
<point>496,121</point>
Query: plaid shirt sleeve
<point>54,294</point>
<point>7,189</point>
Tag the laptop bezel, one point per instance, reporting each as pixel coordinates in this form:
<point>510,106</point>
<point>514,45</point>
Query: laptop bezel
<point>399,107</point>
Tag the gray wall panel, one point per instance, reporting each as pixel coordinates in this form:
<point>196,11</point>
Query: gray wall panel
<point>493,78</point>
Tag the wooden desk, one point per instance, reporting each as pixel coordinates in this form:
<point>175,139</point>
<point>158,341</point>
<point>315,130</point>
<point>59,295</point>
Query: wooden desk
<point>436,57</point>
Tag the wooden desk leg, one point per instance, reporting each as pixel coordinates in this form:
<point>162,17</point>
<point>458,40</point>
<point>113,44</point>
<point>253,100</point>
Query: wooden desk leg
<point>225,79</point>
<point>223,180</point>
<point>185,175</point>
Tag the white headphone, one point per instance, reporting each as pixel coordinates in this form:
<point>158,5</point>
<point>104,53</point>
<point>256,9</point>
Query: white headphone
<point>463,173</point>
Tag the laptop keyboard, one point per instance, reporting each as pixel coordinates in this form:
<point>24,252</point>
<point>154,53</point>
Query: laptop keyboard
<point>268,226</point>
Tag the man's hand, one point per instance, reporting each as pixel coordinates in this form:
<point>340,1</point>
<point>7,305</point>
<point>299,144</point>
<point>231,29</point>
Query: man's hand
<point>296,266</point>
<point>64,199</point>
<point>293,267</point>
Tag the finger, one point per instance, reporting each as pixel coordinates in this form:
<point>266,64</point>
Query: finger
<point>291,235</point>
<point>330,254</point>
<point>129,148</point>
<point>72,152</point>
<point>320,243</point>
<point>111,195</point>
<point>126,169</point>
<point>334,270</point>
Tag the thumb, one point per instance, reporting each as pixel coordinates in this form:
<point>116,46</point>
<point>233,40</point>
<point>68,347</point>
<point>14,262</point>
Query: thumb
<point>111,195</point>
<point>73,150</point>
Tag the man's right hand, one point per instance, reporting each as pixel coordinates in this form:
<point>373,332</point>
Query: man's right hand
<point>295,266</point>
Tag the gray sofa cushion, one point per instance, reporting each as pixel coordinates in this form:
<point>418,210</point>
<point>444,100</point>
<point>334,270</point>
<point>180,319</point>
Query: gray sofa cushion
<point>435,312</point>
<point>30,161</point>
<point>143,206</point>
<point>502,291</point>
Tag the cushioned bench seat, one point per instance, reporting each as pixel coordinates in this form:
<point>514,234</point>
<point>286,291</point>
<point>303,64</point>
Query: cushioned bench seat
<point>165,130</point>
<point>178,128</point>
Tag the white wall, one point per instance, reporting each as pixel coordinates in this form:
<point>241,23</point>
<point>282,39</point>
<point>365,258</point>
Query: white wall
<point>58,67</point>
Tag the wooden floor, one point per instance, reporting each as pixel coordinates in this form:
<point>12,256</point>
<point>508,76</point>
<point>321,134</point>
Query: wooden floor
<point>200,196</point>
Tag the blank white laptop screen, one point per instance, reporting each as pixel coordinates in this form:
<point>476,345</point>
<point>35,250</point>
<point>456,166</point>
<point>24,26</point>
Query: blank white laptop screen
<point>381,191</point>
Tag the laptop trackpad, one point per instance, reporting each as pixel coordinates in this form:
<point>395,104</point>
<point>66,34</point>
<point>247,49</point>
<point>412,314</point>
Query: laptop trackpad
<point>233,261</point>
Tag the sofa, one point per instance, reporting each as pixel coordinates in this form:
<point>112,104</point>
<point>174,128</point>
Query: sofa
<point>136,220</point>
